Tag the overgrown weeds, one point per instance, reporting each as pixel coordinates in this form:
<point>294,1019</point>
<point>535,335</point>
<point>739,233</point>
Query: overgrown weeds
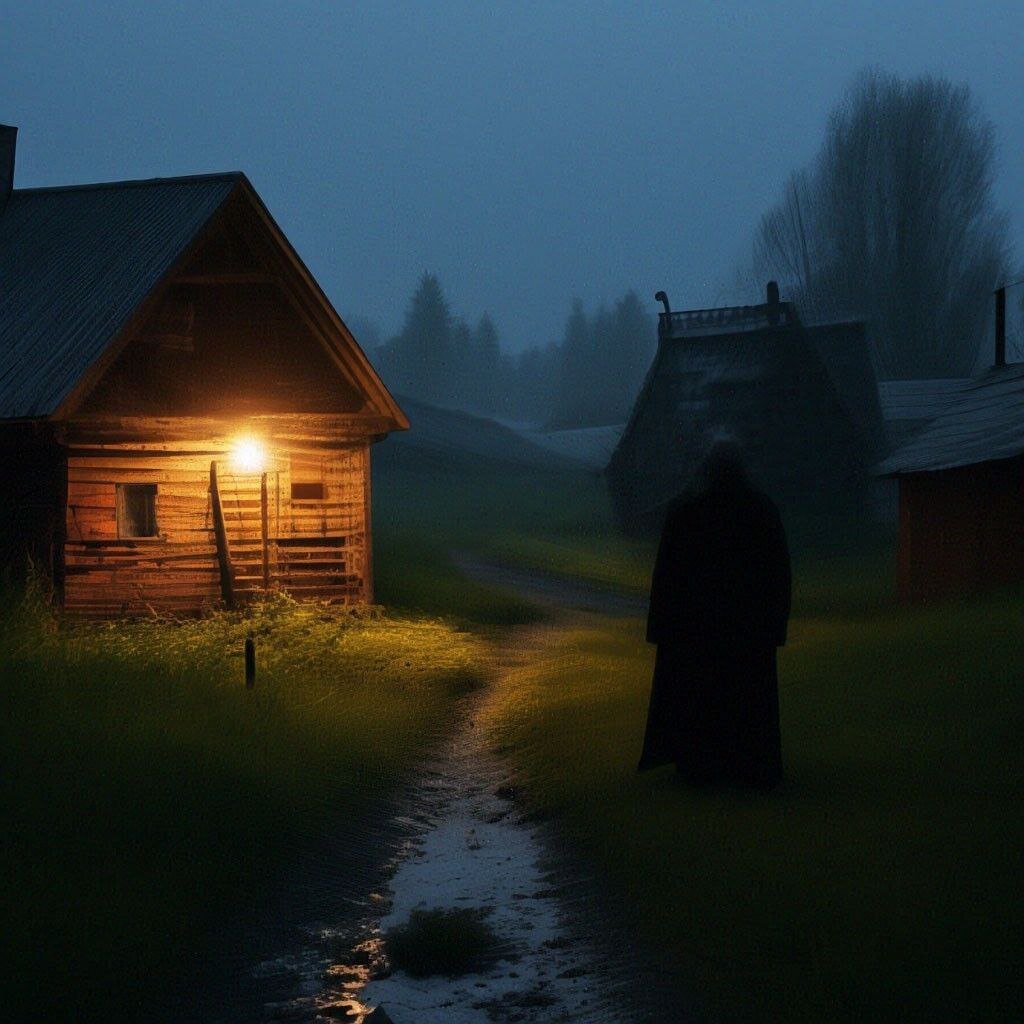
<point>147,793</point>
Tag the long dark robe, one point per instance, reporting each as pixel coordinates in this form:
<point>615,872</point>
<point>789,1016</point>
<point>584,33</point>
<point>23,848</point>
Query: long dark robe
<point>720,601</point>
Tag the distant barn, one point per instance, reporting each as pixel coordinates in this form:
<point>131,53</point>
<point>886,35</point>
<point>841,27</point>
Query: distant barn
<point>801,399</point>
<point>961,490</point>
<point>184,418</point>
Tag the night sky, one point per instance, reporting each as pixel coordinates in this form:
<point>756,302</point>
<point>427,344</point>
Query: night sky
<point>524,153</point>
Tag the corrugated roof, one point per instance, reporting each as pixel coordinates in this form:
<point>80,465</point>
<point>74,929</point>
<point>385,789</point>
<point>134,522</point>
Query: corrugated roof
<point>75,263</point>
<point>919,399</point>
<point>985,423</point>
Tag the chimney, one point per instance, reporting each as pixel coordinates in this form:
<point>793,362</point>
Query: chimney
<point>8,138</point>
<point>1000,326</point>
<point>772,302</point>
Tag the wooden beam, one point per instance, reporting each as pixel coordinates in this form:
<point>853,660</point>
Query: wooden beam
<point>227,574</point>
<point>265,530</point>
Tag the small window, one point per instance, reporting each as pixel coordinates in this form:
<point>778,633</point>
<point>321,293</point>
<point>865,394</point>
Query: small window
<point>136,510</point>
<point>308,491</point>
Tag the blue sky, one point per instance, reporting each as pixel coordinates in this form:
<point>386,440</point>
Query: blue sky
<point>525,153</point>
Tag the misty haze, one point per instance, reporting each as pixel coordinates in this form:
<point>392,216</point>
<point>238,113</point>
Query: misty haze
<point>511,514</point>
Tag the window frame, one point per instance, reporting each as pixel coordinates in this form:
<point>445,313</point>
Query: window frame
<point>124,520</point>
<point>317,499</point>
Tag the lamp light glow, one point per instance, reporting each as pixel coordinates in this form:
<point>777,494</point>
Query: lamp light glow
<point>249,455</point>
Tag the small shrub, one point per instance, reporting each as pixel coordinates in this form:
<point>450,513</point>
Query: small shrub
<point>439,941</point>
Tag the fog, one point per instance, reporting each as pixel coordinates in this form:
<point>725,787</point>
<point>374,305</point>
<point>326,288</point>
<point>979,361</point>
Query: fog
<point>523,154</point>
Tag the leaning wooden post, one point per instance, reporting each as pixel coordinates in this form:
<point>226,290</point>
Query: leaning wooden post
<point>220,533</point>
<point>250,660</point>
<point>265,530</point>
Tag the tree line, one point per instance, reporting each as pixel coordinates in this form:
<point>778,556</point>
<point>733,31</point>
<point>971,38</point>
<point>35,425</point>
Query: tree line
<point>588,377</point>
<point>894,222</point>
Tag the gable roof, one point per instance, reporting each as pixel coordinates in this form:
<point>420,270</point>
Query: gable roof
<point>77,262</point>
<point>919,400</point>
<point>802,401</point>
<point>74,265</point>
<point>908,406</point>
<point>983,423</point>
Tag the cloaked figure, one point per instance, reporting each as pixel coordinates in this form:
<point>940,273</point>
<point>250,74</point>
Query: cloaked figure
<point>720,602</point>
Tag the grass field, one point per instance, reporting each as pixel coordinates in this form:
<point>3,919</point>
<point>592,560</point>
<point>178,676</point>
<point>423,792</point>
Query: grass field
<point>146,794</point>
<point>882,882</point>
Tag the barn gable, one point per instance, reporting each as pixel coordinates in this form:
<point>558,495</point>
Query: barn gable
<point>76,263</point>
<point>88,270</point>
<point>223,338</point>
<point>810,427</point>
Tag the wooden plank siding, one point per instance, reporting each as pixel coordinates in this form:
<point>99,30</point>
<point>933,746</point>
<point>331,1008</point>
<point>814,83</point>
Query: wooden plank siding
<point>317,548</point>
<point>209,328</point>
<point>961,530</point>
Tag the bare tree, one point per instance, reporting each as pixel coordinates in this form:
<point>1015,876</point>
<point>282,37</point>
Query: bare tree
<point>894,222</point>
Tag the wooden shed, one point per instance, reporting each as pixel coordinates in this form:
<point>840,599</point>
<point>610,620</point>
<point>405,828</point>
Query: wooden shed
<point>961,492</point>
<point>184,417</point>
<point>801,400</point>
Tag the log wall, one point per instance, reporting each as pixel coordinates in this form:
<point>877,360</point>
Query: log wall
<point>317,549</point>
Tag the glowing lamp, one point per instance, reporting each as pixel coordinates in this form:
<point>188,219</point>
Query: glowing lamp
<point>248,455</point>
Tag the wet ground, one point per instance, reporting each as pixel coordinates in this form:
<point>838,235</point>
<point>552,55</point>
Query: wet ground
<point>458,837</point>
<point>474,848</point>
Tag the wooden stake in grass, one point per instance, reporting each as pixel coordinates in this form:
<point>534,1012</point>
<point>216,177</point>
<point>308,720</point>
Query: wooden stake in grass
<point>250,661</point>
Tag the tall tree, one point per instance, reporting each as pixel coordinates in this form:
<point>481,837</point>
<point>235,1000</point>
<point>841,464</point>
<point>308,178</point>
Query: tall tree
<point>575,357</point>
<point>487,365</point>
<point>895,222</point>
<point>636,342</point>
<point>419,361</point>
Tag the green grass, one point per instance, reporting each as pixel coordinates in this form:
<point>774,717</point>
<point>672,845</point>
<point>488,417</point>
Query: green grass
<point>415,574</point>
<point>605,560</point>
<point>146,795</point>
<point>882,882</point>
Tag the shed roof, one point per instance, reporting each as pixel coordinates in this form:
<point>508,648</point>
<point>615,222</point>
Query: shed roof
<point>985,422</point>
<point>75,263</point>
<point>919,400</point>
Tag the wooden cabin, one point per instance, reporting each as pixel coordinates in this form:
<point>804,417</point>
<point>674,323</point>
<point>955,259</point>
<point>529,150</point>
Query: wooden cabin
<point>185,420</point>
<point>800,399</point>
<point>961,492</point>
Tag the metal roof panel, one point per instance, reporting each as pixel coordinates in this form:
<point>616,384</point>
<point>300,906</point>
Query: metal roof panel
<point>985,423</point>
<point>75,263</point>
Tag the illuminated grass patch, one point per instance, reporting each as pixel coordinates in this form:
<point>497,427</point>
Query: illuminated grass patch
<point>147,793</point>
<point>880,883</point>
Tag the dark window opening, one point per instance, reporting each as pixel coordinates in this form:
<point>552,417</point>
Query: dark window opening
<point>136,510</point>
<point>307,492</point>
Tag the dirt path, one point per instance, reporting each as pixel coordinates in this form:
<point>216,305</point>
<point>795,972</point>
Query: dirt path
<point>562,593</point>
<point>470,845</point>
